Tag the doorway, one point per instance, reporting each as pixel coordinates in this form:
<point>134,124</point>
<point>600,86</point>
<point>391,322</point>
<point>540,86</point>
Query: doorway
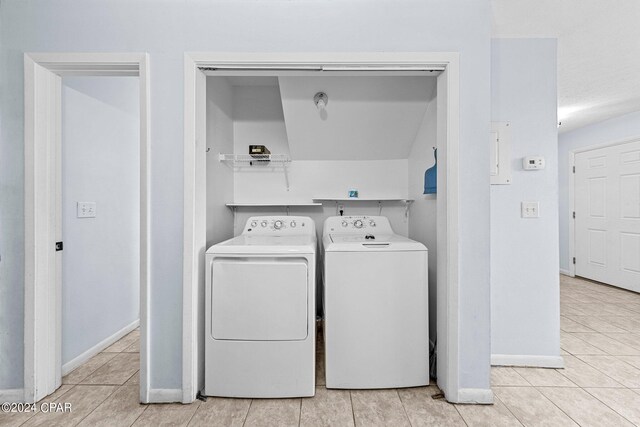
<point>44,210</point>
<point>100,197</point>
<point>606,214</point>
<point>198,66</point>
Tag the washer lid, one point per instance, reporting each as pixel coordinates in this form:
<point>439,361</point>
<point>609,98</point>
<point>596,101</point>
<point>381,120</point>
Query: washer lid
<point>265,244</point>
<point>371,242</point>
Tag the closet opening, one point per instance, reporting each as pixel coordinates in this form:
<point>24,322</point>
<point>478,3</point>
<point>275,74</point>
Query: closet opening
<point>345,139</point>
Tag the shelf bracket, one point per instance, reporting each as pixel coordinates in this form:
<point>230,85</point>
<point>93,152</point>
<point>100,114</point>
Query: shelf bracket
<point>407,205</point>
<point>234,210</point>
<point>379,207</point>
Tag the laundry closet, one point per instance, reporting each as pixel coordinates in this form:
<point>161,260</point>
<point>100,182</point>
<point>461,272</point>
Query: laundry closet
<point>349,144</point>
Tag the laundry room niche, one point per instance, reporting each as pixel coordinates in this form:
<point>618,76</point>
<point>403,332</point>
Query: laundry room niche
<point>374,133</point>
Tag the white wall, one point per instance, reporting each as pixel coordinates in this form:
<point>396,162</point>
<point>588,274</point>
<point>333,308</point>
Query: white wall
<point>613,130</point>
<point>258,118</point>
<point>525,319</point>
<point>366,118</point>
<point>220,131</point>
<point>100,163</point>
<point>422,221</point>
<point>166,30</point>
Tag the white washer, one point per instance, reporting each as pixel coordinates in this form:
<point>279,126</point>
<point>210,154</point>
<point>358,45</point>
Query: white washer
<point>376,306</point>
<point>260,310</point>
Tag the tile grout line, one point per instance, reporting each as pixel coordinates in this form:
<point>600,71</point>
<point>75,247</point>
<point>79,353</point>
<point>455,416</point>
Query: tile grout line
<point>597,318</point>
<point>593,367</point>
<point>554,404</point>
<point>604,334</point>
<point>519,375</point>
<point>353,411</point>
<point>138,417</point>
<point>508,409</point>
<point>90,373</point>
<point>194,414</point>
<point>604,373</point>
<point>605,404</point>
<point>629,345</point>
<point>246,415</point>
<point>96,407</point>
<point>55,400</point>
<point>460,415</point>
<point>404,409</point>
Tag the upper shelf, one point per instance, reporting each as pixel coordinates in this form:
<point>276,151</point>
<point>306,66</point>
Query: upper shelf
<point>252,205</point>
<point>361,199</point>
<point>255,159</point>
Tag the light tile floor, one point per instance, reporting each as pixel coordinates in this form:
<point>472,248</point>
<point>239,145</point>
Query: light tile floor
<point>600,386</point>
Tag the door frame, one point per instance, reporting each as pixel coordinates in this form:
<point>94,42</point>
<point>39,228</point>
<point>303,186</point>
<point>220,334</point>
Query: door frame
<point>572,192</point>
<point>43,74</point>
<point>448,189</point>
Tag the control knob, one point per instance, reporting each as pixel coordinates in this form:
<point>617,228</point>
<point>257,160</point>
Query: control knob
<point>358,223</point>
<point>345,223</point>
<point>254,223</point>
<point>277,224</point>
<point>293,224</point>
<point>372,223</point>
<point>263,223</point>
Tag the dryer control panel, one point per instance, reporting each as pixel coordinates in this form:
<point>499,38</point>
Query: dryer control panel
<point>280,225</point>
<point>360,224</point>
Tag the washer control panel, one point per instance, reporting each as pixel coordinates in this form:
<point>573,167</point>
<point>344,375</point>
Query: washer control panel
<point>279,225</point>
<point>357,225</point>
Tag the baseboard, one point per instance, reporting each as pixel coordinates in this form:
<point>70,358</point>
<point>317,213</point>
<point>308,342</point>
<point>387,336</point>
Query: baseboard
<point>165,395</point>
<point>565,272</point>
<point>12,395</point>
<point>79,360</point>
<point>482,396</point>
<point>527,361</point>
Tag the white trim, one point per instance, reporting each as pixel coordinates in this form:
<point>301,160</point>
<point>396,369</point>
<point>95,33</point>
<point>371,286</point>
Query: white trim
<point>194,181</point>
<point>572,220</point>
<point>12,395</point>
<point>42,276</point>
<point>606,144</point>
<point>80,359</point>
<point>565,272</point>
<point>165,395</point>
<point>572,189</point>
<point>144,73</point>
<point>481,396</point>
<point>530,361</point>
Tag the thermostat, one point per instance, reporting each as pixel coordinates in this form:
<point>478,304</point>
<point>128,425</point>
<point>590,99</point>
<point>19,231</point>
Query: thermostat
<point>533,163</point>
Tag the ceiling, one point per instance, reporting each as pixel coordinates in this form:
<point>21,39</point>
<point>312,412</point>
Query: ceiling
<point>598,52</point>
<point>366,118</point>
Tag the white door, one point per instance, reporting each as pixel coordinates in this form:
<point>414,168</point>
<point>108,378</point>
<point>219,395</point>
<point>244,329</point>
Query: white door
<point>607,212</point>
<point>259,299</point>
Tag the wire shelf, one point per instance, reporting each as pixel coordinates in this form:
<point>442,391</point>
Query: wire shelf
<point>243,161</point>
<point>254,159</point>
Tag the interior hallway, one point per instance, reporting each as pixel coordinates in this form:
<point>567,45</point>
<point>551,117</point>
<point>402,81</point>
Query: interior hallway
<point>599,386</point>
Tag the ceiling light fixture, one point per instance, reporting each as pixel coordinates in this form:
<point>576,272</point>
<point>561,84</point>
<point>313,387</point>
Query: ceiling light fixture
<point>321,100</point>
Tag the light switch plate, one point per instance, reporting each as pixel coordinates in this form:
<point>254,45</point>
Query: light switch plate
<point>86,210</point>
<point>530,209</point>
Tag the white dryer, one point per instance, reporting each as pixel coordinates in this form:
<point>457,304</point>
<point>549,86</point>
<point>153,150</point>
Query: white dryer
<point>260,310</point>
<point>376,306</point>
